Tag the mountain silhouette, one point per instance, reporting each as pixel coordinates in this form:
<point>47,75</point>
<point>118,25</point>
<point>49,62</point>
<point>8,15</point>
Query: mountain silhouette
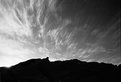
<point>42,70</point>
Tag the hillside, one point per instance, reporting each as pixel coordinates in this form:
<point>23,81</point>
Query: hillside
<point>37,70</point>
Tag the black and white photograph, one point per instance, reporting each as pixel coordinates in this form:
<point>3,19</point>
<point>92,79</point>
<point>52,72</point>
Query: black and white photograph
<point>60,41</point>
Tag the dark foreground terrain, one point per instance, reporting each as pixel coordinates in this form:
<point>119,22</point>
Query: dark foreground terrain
<point>37,70</point>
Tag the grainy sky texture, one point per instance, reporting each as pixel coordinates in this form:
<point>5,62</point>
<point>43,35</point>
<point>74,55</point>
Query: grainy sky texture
<point>88,30</point>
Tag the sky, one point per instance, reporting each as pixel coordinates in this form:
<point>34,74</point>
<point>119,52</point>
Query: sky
<point>88,30</point>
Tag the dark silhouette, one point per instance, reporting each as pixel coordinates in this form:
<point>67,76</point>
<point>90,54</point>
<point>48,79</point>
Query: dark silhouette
<point>37,70</point>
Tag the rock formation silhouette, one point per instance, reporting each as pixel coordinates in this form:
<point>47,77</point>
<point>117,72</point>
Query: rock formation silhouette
<point>42,70</point>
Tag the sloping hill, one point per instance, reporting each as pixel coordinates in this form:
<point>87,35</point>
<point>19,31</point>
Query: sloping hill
<point>37,70</point>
